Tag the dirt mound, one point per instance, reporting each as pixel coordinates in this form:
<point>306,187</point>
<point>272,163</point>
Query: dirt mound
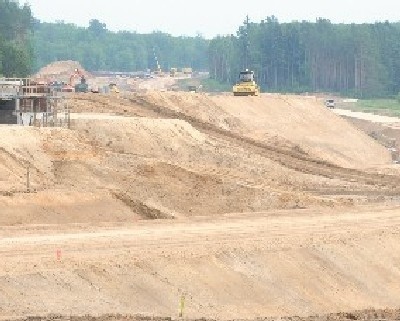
<point>291,123</point>
<point>60,206</point>
<point>60,70</point>
<point>176,168</point>
<point>156,168</point>
<point>173,155</point>
<point>301,121</point>
<point>248,206</point>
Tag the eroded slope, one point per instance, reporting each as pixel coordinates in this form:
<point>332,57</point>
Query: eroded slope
<point>171,155</point>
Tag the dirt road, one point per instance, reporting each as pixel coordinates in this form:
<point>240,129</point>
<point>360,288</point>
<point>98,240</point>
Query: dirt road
<point>162,235</point>
<point>242,266</point>
<point>368,116</point>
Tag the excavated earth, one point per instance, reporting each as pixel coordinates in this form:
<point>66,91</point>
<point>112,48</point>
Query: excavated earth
<point>249,207</point>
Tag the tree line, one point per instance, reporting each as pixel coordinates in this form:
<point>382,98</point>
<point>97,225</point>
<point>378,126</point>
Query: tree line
<point>16,53</point>
<point>97,48</point>
<point>360,60</point>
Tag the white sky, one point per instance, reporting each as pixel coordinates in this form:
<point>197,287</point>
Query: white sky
<point>208,17</point>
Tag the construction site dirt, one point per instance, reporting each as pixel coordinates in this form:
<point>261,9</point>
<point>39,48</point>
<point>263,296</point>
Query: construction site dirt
<point>249,208</point>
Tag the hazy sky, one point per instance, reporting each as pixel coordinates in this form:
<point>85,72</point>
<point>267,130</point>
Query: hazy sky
<point>208,17</point>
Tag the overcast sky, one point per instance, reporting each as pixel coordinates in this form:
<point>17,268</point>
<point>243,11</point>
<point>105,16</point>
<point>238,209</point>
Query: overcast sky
<point>208,17</point>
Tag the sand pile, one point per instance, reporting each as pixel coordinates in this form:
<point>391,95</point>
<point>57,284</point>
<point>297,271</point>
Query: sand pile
<point>256,200</point>
<point>170,155</point>
<point>297,121</point>
<point>292,123</point>
<point>60,71</point>
<point>169,166</point>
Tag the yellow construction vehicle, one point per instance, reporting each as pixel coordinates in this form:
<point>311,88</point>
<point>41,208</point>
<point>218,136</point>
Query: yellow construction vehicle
<point>246,85</point>
<point>113,88</point>
<point>158,71</point>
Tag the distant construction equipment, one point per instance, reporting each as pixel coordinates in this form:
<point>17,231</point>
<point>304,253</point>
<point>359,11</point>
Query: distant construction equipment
<point>72,85</point>
<point>114,89</point>
<point>246,85</point>
<point>82,86</point>
<point>192,88</point>
<point>157,71</point>
<point>183,72</point>
<point>173,72</point>
<point>187,71</point>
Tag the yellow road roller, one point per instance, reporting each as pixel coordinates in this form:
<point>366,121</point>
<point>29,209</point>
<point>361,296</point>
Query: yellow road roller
<point>246,85</point>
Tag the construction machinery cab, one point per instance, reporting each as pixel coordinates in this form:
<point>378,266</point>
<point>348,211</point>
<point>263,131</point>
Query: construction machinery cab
<point>82,87</point>
<point>330,103</point>
<point>246,76</point>
<point>246,85</point>
<point>192,88</point>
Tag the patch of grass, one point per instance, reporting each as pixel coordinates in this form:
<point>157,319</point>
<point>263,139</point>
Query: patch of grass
<point>386,107</point>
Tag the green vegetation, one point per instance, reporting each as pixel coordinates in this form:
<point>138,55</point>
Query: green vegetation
<point>386,107</point>
<point>97,48</point>
<point>15,31</point>
<point>355,60</point>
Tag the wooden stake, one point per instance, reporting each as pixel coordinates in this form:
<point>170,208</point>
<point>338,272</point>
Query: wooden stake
<point>28,183</point>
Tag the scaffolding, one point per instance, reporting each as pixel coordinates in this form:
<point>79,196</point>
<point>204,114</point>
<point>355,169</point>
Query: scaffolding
<point>36,104</point>
<point>9,88</point>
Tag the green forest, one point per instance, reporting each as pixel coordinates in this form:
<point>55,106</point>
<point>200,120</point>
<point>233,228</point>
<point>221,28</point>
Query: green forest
<point>16,52</point>
<point>360,60</point>
<point>97,48</point>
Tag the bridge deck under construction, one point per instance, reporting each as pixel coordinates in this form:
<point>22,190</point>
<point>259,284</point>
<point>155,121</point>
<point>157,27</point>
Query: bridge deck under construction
<point>24,101</point>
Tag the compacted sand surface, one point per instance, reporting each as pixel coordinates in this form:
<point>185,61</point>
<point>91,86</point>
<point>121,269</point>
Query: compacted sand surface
<point>249,207</point>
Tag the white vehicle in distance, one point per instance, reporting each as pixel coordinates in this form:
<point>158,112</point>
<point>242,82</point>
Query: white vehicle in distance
<point>330,103</point>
